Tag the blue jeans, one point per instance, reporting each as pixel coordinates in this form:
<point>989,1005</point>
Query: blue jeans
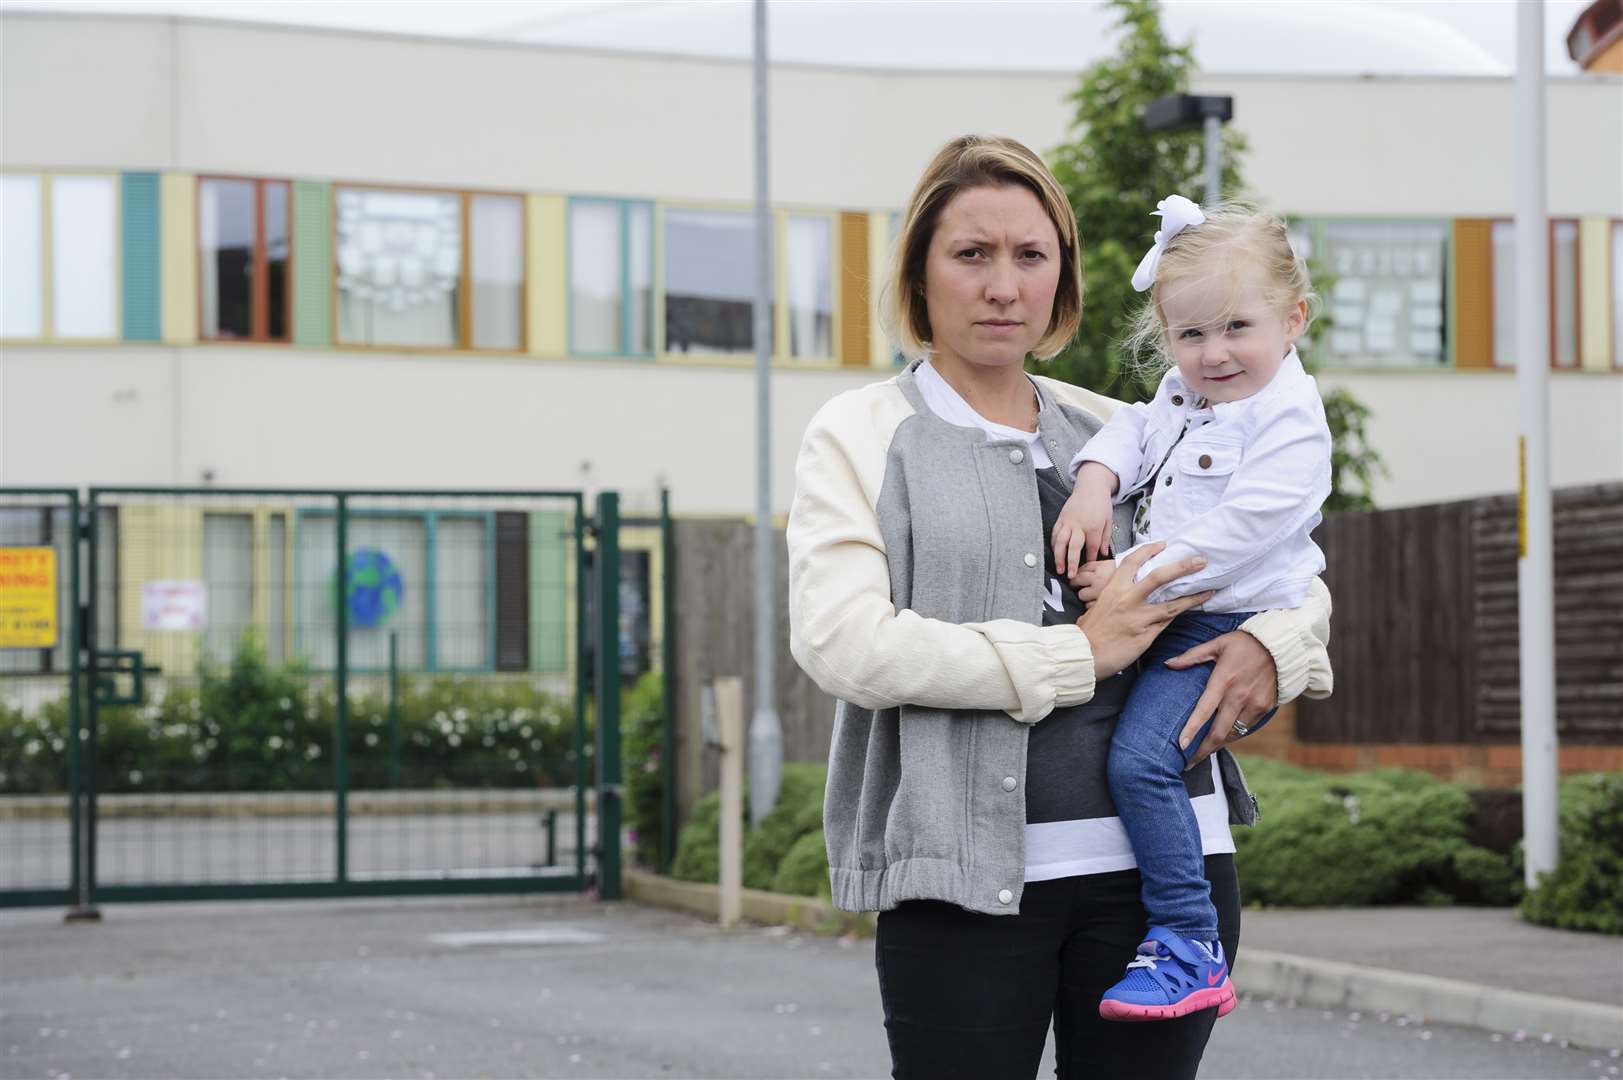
<point>1146,776</point>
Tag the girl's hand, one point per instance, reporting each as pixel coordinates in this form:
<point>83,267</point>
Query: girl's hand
<point>1082,532</point>
<point>1091,580</point>
<point>1244,685</point>
<point>1121,623</point>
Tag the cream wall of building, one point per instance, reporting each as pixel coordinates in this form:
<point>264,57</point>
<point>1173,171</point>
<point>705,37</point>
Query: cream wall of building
<point>208,96</point>
<point>263,415</point>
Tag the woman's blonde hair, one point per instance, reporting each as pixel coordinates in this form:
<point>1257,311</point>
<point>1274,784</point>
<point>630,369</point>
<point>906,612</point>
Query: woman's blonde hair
<point>964,164</point>
<point>1235,237</point>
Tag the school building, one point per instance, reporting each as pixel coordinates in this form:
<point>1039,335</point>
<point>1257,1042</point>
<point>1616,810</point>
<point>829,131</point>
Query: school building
<point>247,255</point>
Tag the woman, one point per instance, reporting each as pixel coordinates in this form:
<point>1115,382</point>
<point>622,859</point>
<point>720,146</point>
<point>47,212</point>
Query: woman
<point>967,800</point>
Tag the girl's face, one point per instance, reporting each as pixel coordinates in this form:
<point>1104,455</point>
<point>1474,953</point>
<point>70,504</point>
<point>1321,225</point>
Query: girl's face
<point>990,276</point>
<point>1228,342</point>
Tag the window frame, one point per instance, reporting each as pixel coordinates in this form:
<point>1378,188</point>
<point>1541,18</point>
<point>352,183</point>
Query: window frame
<point>1312,226</point>
<point>780,290</point>
<point>464,315</point>
<point>655,279</point>
<point>47,257</point>
<point>259,298</point>
<point>430,517</point>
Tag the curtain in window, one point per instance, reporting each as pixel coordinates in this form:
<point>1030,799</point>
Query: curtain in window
<point>594,276</point>
<point>1564,278</point>
<point>84,256</point>
<point>226,236</point>
<point>640,249</point>
<point>22,253</point>
<point>811,286</point>
<point>1504,293</point>
<point>497,256</point>
<point>399,267</point>
<point>228,578</point>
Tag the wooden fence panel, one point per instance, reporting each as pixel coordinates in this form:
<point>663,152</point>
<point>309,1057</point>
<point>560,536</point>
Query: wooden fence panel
<point>1425,642</point>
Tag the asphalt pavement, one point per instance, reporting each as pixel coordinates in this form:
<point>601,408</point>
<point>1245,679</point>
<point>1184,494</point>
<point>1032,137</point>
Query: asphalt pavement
<point>556,987</point>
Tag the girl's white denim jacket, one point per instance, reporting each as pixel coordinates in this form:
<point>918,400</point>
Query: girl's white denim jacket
<point>1243,486</point>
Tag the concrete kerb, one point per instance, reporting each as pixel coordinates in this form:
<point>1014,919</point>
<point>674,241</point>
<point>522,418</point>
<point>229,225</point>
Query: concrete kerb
<point>1325,984</point>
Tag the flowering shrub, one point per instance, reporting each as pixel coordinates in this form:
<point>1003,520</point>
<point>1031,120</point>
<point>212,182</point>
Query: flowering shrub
<point>253,726</point>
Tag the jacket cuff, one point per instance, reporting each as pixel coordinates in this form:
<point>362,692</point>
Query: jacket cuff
<point>1070,657</point>
<point>1281,633</point>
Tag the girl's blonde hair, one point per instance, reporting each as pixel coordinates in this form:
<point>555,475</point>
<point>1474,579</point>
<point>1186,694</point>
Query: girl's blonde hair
<point>964,164</point>
<point>1235,237</point>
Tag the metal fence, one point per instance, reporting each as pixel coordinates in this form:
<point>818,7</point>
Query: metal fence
<point>302,692</point>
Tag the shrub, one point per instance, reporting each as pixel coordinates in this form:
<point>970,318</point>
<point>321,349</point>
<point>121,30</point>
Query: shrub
<point>1585,892</point>
<point>642,727</point>
<point>804,871</point>
<point>1389,836</point>
<point>798,812</point>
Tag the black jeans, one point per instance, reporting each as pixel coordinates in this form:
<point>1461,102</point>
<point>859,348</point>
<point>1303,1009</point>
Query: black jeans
<point>971,995</point>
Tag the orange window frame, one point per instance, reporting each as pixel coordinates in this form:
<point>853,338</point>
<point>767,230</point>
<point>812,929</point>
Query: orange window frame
<point>259,298</point>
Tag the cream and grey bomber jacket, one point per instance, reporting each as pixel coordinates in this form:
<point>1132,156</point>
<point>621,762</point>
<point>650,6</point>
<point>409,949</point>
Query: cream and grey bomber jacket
<point>915,599</point>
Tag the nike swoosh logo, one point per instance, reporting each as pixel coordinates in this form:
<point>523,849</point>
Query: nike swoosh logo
<point>1212,980</point>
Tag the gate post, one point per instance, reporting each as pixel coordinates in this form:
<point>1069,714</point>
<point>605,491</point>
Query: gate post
<point>341,690</point>
<point>81,877</point>
<point>609,789</point>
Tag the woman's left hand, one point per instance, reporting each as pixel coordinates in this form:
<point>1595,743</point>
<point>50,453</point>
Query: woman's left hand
<point>1244,685</point>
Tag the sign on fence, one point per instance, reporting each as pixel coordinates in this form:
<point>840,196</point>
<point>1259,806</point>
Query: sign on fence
<point>174,605</point>
<point>28,598</point>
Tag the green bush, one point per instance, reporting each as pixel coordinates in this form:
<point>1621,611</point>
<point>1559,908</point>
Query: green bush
<point>642,727</point>
<point>254,726</point>
<point>1586,890</point>
<point>804,871</point>
<point>1390,836</point>
<point>797,813</point>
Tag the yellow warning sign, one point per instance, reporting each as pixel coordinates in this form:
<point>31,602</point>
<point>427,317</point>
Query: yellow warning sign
<point>27,598</point>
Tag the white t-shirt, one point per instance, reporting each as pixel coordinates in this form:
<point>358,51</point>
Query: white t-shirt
<point>1088,845</point>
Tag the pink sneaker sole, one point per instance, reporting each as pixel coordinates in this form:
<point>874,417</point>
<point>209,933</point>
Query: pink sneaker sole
<point>1220,996</point>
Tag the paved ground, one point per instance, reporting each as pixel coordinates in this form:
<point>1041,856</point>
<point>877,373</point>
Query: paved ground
<point>1491,946</point>
<point>171,850</point>
<point>554,987</point>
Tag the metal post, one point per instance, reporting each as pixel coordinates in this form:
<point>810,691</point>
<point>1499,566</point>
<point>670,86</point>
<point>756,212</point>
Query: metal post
<point>1214,159</point>
<point>667,664</point>
<point>79,749</point>
<point>581,677</point>
<point>84,909</point>
<point>766,734</point>
<point>609,788</point>
<point>394,708</point>
<point>1535,576</point>
<point>341,690</point>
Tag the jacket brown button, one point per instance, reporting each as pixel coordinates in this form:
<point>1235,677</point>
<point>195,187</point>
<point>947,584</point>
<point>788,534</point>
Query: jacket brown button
<point>1205,461</point>
<point>1169,480</point>
<point>1177,399</point>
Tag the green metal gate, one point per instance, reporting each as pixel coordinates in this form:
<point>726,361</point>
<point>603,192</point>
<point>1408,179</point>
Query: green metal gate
<point>299,693</point>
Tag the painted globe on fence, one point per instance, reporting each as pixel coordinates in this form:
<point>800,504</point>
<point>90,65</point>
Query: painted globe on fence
<point>373,587</point>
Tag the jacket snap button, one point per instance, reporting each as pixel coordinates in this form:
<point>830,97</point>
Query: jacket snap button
<point>1017,456</point>
<point>1009,783</point>
<point>1004,896</point>
<point>1177,399</point>
<point>1169,480</point>
<point>1031,560</point>
<point>1205,461</point>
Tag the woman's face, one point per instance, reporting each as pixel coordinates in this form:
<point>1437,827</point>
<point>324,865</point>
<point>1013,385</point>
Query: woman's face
<point>990,276</point>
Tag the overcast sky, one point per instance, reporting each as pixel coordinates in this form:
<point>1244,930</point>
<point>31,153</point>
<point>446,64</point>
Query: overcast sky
<point>1330,36</point>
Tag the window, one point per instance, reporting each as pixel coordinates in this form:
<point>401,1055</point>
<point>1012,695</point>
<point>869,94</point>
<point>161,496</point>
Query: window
<point>1387,295</point>
<point>709,281</point>
<point>1617,294</point>
<point>405,278</point>
<point>228,581</point>
<point>244,260</point>
<point>22,254</point>
<point>1563,294</point>
<point>810,286</point>
<point>611,271</point>
<point>80,262</point>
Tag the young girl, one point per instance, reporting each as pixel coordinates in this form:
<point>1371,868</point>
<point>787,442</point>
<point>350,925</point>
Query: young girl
<point>1231,461</point>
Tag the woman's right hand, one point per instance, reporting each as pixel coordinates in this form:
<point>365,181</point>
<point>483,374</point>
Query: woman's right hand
<point>1120,625</point>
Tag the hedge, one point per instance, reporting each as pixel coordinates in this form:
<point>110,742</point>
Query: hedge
<point>1586,890</point>
<point>779,853</point>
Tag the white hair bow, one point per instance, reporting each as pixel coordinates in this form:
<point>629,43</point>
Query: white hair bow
<point>1177,214</point>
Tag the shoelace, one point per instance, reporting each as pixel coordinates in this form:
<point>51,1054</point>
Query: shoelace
<point>1146,960</point>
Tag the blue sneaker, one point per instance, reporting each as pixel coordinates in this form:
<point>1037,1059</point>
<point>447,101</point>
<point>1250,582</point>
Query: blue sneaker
<point>1171,976</point>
